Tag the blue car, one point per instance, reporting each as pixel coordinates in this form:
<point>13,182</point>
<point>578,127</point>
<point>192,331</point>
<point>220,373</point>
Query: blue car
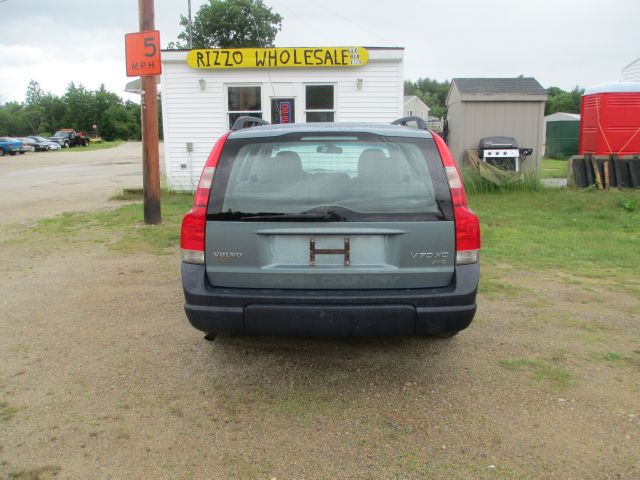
<point>10,146</point>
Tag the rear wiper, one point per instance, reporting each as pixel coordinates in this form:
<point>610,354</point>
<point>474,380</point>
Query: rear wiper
<point>310,216</point>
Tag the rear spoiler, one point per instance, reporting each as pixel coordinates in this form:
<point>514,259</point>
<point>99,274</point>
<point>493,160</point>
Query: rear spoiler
<point>420,123</point>
<point>247,122</point>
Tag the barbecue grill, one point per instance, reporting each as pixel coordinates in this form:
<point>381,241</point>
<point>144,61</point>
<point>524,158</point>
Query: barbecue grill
<point>502,152</point>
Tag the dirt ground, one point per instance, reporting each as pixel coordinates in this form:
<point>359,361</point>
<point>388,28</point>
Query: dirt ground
<point>102,377</point>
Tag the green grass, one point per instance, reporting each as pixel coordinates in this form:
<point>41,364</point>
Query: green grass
<point>129,194</point>
<point>7,411</point>
<point>122,229</point>
<point>557,377</point>
<point>554,168</point>
<point>586,233</point>
<point>582,232</point>
<point>494,288</point>
<point>606,357</point>
<point>92,146</point>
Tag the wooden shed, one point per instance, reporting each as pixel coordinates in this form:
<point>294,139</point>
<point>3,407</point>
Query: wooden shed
<point>486,107</point>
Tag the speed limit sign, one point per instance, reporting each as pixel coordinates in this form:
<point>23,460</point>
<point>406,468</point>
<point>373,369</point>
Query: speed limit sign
<point>143,53</point>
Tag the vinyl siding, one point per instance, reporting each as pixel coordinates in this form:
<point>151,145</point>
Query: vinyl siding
<point>200,116</point>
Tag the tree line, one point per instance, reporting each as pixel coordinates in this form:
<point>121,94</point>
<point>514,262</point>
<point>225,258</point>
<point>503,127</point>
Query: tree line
<point>434,94</point>
<point>78,108</point>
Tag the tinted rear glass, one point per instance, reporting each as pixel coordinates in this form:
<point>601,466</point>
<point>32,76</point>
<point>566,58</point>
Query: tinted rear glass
<point>358,177</point>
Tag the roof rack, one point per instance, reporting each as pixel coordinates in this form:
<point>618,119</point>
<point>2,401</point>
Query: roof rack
<point>246,122</point>
<point>420,123</point>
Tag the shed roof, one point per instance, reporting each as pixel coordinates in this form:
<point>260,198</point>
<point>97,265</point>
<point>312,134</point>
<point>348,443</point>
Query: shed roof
<point>518,86</point>
<point>562,117</point>
<point>518,89</point>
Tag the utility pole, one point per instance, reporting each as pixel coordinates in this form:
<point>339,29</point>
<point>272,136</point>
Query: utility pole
<point>150,149</point>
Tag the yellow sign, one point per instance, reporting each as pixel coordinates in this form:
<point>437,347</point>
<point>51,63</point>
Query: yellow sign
<point>277,57</point>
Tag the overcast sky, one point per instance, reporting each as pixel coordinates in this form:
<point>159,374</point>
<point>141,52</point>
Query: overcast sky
<point>560,42</point>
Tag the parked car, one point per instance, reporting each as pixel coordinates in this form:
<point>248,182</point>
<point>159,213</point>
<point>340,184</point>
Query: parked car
<point>46,144</point>
<point>69,138</point>
<point>26,144</point>
<point>22,149</point>
<point>32,144</point>
<point>330,230</point>
<point>10,146</point>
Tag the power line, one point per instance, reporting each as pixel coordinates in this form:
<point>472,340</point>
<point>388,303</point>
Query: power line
<point>303,20</point>
<point>349,19</point>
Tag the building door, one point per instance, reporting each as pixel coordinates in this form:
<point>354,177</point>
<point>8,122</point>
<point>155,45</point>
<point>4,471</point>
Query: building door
<point>283,110</point>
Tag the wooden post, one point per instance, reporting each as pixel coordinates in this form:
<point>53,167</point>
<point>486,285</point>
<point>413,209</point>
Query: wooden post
<point>596,172</point>
<point>150,149</point>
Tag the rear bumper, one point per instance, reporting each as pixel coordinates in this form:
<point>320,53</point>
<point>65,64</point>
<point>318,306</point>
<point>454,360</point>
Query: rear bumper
<point>330,313</point>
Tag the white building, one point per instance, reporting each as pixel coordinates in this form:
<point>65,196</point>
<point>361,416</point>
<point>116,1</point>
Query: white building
<point>631,73</point>
<point>414,107</point>
<point>201,102</point>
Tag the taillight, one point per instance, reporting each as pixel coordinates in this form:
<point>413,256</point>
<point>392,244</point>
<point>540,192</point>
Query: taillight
<point>466,222</point>
<point>194,222</point>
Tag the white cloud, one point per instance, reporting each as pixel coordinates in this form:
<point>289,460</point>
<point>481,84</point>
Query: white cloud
<point>560,42</point>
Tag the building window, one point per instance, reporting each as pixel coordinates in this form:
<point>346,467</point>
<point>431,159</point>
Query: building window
<point>243,100</point>
<point>411,113</point>
<point>320,103</point>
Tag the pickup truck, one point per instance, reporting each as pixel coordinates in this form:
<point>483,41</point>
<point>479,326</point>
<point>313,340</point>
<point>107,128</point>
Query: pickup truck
<point>10,146</point>
<point>69,138</point>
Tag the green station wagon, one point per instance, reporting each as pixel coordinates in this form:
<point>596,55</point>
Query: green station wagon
<point>330,229</point>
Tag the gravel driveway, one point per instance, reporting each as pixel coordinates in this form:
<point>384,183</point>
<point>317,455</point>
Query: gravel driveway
<point>41,184</point>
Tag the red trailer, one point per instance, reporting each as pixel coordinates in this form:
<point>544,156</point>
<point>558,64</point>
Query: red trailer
<point>610,119</point>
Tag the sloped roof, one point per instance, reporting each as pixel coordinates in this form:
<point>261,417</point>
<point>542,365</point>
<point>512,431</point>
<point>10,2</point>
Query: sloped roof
<point>562,117</point>
<point>408,98</point>
<point>499,86</point>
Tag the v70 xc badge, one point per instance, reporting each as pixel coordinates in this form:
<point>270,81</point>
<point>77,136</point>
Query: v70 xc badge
<point>437,258</point>
<point>313,251</point>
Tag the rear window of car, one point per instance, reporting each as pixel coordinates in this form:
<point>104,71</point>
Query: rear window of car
<point>359,177</point>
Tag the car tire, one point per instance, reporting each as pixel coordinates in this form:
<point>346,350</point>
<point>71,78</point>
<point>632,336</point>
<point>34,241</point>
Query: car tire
<point>210,336</point>
<point>21,153</point>
<point>13,154</point>
<point>2,152</point>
